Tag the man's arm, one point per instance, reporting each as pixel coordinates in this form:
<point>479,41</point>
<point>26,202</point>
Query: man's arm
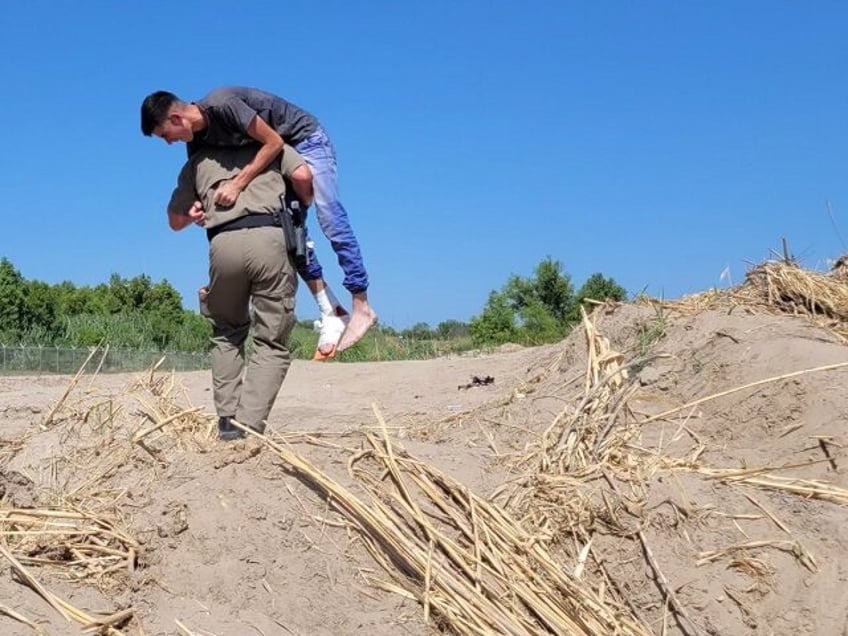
<point>183,207</point>
<point>272,144</point>
<point>179,220</point>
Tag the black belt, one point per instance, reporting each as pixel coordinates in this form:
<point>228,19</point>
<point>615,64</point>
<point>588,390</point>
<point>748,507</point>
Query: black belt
<point>251,220</point>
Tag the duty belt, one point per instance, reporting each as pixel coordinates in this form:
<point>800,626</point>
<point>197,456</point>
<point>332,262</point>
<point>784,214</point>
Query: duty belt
<point>243,222</point>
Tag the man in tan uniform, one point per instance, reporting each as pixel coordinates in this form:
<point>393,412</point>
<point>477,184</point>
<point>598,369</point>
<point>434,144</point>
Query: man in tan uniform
<point>249,264</point>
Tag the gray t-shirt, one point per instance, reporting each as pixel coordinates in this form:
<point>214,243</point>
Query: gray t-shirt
<point>210,165</point>
<point>230,110</point>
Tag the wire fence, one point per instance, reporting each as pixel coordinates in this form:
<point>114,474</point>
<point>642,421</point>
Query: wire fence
<point>27,360</point>
<point>37,360</point>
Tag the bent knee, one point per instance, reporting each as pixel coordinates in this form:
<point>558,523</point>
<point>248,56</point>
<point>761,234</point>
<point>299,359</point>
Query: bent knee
<point>301,175</point>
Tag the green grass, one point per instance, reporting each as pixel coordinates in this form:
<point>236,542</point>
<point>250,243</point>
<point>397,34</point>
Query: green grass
<point>378,345</point>
<point>649,333</point>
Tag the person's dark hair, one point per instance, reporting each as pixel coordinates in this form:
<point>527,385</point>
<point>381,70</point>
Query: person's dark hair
<point>155,108</point>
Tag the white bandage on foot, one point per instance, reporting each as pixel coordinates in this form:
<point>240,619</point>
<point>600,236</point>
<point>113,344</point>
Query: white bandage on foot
<point>330,329</point>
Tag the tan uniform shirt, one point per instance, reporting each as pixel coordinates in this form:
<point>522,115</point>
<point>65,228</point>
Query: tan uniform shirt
<point>209,166</point>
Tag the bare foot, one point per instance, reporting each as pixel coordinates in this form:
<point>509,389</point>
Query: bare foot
<point>361,320</point>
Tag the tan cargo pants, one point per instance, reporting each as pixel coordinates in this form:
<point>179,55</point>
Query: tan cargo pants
<point>249,269</point>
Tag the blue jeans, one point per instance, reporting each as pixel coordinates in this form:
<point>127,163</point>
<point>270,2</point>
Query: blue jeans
<point>317,150</point>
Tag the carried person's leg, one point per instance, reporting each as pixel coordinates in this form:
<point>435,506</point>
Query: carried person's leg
<point>273,288</point>
<point>333,321</point>
<point>334,317</point>
<point>319,153</point>
<point>226,305</point>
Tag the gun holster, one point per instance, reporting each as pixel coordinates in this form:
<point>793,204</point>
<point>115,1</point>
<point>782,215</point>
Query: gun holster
<point>293,222</point>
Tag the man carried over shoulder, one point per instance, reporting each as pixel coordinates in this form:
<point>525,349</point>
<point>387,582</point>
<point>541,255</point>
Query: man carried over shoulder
<point>237,116</point>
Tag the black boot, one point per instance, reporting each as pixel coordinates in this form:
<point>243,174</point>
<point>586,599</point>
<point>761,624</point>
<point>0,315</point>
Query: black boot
<point>226,430</point>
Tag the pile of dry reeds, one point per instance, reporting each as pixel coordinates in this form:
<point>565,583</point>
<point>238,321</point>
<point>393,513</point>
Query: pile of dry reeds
<point>796,290</point>
<point>523,561</point>
<point>76,545</point>
<point>77,529</point>
<point>588,473</point>
<point>571,479</point>
<point>785,287</point>
<point>474,568</point>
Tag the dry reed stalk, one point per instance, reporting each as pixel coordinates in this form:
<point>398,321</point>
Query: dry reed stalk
<point>768,513</point>
<point>21,619</point>
<point>161,424</point>
<point>33,583</point>
<point>777,378</point>
<point>102,416</point>
<point>807,488</point>
<point>118,618</point>
<point>314,438</point>
<point>792,547</point>
<point>687,625</point>
<point>161,398</point>
<point>154,367</point>
<point>10,448</point>
<point>99,366</point>
<point>48,420</point>
<point>182,630</point>
<point>592,435</point>
<point>753,567</point>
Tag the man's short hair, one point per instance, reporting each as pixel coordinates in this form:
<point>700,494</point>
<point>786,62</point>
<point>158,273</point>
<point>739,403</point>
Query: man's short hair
<point>155,109</point>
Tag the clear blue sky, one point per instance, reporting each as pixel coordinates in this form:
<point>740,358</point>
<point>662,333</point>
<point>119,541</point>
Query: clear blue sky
<point>655,142</point>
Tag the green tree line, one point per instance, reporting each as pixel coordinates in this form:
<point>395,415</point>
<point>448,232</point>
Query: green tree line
<point>140,314</point>
<point>529,311</point>
<point>125,312</point>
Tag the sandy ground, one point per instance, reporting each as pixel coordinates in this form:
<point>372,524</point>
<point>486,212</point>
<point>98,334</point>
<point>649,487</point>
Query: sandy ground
<point>232,542</point>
